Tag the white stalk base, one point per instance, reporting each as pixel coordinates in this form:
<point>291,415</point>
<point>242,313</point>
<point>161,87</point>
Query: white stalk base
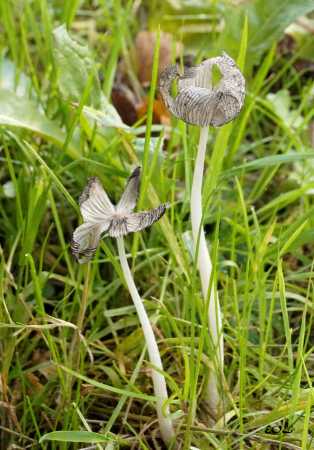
<point>204,266</point>
<point>159,382</point>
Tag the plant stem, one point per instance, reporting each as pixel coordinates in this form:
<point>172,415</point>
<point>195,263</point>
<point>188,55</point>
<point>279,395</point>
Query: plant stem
<point>159,382</point>
<point>204,266</point>
<point>84,301</point>
<point>74,352</point>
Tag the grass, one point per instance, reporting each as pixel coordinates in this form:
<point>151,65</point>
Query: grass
<point>72,355</point>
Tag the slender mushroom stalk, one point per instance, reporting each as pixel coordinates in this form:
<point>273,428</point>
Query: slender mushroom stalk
<point>159,381</point>
<point>204,266</point>
<point>101,216</point>
<point>199,103</point>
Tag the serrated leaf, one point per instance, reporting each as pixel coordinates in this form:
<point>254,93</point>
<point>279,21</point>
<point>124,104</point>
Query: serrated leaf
<point>87,437</point>
<point>75,66</point>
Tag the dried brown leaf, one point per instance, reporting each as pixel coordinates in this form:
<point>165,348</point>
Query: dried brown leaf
<point>144,53</point>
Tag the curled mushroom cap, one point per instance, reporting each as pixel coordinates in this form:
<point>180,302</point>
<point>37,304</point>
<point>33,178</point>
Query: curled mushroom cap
<point>200,103</point>
<point>101,216</point>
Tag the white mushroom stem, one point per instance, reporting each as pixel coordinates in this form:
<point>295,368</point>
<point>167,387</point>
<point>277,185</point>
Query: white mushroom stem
<point>204,266</point>
<point>159,382</point>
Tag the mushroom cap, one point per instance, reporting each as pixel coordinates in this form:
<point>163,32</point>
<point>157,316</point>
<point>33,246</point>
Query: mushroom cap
<point>199,102</point>
<point>101,216</point>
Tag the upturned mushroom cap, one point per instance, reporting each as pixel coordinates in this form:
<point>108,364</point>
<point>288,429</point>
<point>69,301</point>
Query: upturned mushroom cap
<point>101,216</point>
<point>198,102</point>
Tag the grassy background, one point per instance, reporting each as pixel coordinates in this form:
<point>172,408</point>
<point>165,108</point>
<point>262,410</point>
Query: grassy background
<point>72,355</point>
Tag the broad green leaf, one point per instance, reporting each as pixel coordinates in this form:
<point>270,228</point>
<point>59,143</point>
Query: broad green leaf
<point>108,117</point>
<point>76,69</point>
<point>267,22</point>
<point>21,112</point>
<point>87,437</point>
<point>75,66</point>
<point>12,79</point>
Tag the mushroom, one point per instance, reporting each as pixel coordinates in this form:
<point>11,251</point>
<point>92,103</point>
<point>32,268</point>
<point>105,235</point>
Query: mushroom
<point>101,216</point>
<point>200,103</point>
<point>197,102</point>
